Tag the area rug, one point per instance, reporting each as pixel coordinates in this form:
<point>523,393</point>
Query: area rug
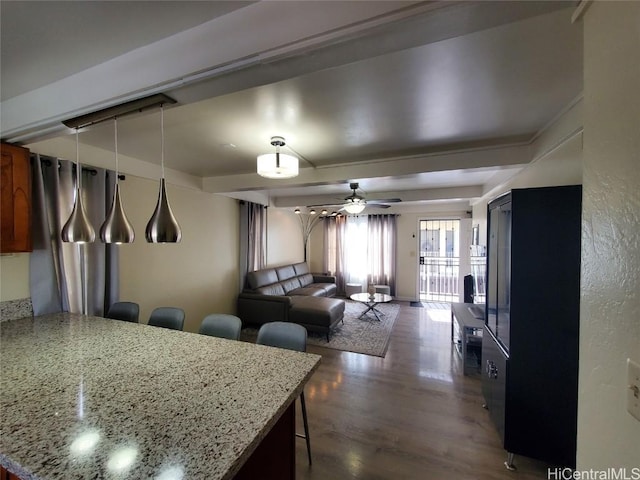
<point>360,335</point>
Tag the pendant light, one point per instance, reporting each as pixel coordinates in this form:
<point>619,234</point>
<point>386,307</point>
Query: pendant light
<point>78,229</point>
<point>116,227</point>
<point>162,226</point>
<point>277,165</point>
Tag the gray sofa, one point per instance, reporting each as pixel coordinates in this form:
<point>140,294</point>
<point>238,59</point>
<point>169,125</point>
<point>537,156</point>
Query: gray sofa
<point>290,293</point>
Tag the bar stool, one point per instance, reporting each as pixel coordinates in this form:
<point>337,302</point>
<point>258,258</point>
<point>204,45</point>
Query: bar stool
<point>167,317</point>
<point>126,311</point>
<point>221,325</point>
<point>292,337</point>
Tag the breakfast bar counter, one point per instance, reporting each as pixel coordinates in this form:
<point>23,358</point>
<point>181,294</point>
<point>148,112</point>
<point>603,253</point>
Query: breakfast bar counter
<point>87,397</point>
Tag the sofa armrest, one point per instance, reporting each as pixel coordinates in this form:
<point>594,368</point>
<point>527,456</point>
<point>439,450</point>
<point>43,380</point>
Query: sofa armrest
<point>254,308</point>
<point>320,278</point>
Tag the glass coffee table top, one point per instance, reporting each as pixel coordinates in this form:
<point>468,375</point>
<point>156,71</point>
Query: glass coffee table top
<point>371,301</point>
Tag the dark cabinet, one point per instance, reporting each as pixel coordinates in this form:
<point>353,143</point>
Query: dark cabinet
<point>15,200</point>
<point>530,342</point>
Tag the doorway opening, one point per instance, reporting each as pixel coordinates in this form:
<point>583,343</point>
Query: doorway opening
<point>439,269</point>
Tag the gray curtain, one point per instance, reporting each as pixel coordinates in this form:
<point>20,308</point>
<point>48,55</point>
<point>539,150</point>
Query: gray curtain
<point>381,250</point>
<point>253,238</point>
<point>334,258</point>
<point>69,277</point>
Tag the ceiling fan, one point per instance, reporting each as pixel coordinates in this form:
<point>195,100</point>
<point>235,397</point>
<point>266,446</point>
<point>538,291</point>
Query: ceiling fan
<point>355,202</point>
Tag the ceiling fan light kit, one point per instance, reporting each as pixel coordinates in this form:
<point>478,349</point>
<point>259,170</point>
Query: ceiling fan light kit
<point>356,203</point>
<point>277,165</point>
<point>354,206</point>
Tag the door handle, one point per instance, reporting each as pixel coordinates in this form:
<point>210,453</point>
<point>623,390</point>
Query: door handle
<point>492,370</point>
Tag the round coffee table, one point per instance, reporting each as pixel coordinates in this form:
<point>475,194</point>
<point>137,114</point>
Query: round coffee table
<point>371,301</point>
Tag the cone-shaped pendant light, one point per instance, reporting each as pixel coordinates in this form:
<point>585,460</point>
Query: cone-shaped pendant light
<point>162,227</point>
<point>78,229</point>
<point>116,227</point>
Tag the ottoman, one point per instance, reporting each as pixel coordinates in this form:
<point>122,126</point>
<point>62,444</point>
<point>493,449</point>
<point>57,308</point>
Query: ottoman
<point>352,288</point>
<point>316,314</point>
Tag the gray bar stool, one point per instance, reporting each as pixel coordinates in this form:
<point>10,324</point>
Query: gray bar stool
<point>167,317</point>
<point>126,311</point>
<point>292,337</point>
<point>221,325</point>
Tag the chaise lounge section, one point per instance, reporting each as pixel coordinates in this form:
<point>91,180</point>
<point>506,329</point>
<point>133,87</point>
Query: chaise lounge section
<point>290,293</point>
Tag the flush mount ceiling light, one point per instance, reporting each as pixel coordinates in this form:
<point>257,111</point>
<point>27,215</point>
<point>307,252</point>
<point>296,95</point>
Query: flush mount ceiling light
<point>117,227</point>
<point>277,165</point>
<point>78,229</point>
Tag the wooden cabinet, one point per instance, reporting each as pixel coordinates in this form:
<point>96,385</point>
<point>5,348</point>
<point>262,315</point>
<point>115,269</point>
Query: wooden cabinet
<point>530,342</point>
<point>7,475</point>
<point>15,200</point>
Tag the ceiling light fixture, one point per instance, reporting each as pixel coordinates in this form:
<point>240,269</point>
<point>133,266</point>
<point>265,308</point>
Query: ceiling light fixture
<point>78,229</point>
<point>354,205</point>
<point>277,165</point>
<point>116,227</point>
<point>162,226</point>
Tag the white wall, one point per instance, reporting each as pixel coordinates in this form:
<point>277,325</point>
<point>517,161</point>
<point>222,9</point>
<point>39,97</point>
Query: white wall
<point>608,436</point>
<point>560,165</point>
<point>199,274</point>
<point>284,238</point>
<point>14,277</point>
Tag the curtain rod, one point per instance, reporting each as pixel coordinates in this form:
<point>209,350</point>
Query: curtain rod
<point>48,161</point>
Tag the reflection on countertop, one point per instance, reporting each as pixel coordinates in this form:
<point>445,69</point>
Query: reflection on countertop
<point>87,397</point>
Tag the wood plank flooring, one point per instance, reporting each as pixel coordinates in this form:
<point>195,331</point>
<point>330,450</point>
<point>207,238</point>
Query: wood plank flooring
<point>410,415</point>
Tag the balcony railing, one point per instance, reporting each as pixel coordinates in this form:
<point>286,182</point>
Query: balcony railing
<point>439,278</point>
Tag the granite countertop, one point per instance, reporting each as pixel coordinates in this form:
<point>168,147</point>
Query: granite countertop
<point>87,397</point>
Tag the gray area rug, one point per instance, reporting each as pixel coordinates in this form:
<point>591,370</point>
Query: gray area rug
<point>366,335</point>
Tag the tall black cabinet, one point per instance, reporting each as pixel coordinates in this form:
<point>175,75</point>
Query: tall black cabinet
<point>530,343</point>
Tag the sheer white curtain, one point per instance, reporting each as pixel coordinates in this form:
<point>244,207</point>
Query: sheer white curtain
<point>356,248</point>
<point>361,249</point>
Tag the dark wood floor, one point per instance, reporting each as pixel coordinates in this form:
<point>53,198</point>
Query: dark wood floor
<point>410,415</point>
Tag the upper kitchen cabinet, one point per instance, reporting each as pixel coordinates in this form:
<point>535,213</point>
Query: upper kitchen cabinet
<point>15,214</point>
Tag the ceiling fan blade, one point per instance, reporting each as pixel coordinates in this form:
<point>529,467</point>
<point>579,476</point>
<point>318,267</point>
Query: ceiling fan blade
<point>377,205</point>
<point>386,200</point>
<point>326,205</point>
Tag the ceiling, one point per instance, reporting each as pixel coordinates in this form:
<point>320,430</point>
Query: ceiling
<point>425,101</point>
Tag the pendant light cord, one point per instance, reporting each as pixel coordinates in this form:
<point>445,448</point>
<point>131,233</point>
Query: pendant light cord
<point>115,130</point>
<point>162,138</point>
<point>78,171</point>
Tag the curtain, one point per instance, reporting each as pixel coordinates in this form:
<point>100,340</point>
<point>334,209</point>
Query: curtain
<point>335,255</point>
<point>253,238</point>
<point>69,277</point>
<point>381,250</point>
<point>361,249</point>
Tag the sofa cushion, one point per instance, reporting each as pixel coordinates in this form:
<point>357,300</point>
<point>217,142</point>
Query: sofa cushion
<point>316,311</point>
<point>273,289</point>
<point>301,268</point>
<point>286,272</point>
<point>306,279</point>
<point>312,292</point>
<point>329,289</point>
<point>291,284</point>
<point>260,278</point>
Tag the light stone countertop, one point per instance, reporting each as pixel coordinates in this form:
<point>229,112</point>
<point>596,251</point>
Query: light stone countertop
<point>87,397</point>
